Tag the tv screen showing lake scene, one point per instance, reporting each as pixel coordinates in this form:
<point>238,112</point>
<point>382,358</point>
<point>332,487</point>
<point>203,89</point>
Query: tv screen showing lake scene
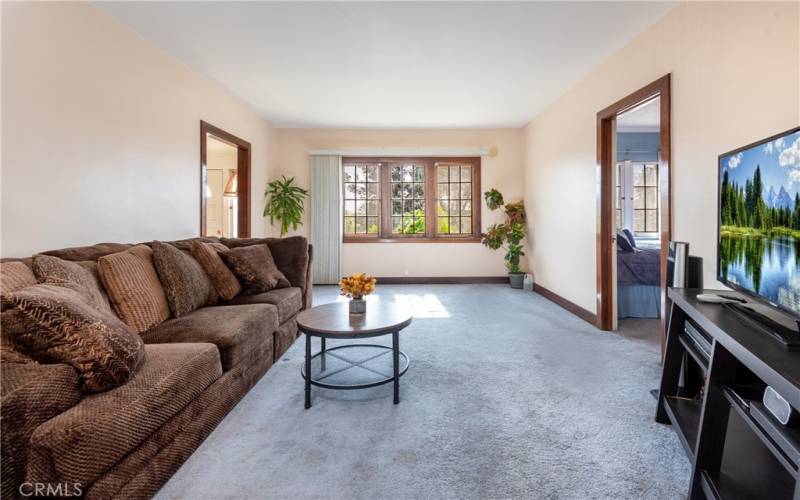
<point>759,211</point>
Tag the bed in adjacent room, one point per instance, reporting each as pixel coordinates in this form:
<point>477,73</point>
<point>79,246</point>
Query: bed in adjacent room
<point>638,281</point>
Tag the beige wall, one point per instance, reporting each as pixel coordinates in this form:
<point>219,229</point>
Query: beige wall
<point>101,133</point>
<point>735,79</point>
<point>503,171</point>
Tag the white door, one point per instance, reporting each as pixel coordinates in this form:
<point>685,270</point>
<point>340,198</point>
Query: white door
<point>214,205</point>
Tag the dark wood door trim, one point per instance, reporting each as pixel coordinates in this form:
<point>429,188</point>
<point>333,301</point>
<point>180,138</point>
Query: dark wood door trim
<point>606,123</point>
<point>243,164</point>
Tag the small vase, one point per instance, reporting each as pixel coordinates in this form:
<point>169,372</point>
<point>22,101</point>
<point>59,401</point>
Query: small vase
<point>358,305</point>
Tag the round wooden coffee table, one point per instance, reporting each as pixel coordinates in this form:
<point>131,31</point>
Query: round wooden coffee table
<point>333,321</point>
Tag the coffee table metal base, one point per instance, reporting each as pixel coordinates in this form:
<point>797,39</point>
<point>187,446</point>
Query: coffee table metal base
<point>344,354</point>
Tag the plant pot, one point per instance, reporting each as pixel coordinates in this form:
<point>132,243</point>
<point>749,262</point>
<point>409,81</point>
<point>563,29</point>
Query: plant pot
<point>516,279</point>
<point>358,306</point>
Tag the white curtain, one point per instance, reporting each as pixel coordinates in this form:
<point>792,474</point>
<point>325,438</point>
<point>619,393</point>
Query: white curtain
<point>326,218</point>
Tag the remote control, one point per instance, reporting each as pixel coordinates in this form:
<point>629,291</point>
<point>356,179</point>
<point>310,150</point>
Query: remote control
<point>713,298</point>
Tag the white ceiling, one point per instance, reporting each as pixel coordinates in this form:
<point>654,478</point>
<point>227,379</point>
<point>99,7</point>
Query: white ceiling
<point>643,118</point>
<point>398,64</point>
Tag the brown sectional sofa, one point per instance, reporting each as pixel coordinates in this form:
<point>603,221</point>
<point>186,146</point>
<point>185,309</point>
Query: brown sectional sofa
<point>126,442</point>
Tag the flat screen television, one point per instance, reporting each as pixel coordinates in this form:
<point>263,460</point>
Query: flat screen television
<point>758,251</point>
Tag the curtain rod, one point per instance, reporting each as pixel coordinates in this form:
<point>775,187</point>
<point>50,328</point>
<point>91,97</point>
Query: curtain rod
<point>401,152</point>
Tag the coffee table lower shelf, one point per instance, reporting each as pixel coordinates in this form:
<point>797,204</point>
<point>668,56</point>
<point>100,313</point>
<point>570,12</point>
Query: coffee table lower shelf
<point>342,364</point>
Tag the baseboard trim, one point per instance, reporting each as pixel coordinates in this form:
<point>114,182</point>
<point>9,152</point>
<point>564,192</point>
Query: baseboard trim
<point>442,280</point>
<point>572,307</point>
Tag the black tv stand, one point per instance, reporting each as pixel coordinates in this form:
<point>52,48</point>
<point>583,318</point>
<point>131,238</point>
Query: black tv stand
<point>707,397</point>
<point>789,338</point>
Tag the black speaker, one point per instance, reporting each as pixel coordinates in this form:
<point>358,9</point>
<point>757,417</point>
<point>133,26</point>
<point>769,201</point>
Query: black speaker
<point>694,274</point>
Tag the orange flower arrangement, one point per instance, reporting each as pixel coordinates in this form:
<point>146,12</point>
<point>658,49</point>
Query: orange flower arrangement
<point>357,285</point>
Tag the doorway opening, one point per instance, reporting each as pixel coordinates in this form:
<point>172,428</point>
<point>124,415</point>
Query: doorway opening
<point>634,225</point>
<point>224,184</point>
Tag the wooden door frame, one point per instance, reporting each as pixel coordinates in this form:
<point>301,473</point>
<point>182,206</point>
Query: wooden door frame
<point>243,159</point>
<point>606,123</point>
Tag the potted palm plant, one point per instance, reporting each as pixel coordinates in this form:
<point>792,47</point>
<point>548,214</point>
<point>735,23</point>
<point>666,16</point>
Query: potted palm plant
<point>285,203</point>
<point>508,235</point>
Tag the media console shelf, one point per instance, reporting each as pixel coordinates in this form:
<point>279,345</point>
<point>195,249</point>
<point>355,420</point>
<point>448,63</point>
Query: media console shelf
<point>707,398</point>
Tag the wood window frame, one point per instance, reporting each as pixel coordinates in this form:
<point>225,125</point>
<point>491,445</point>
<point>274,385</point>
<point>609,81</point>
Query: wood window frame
<point>243,162</point>
<point>645,186</point>
<point>384,235</point>
<point>627,208</point>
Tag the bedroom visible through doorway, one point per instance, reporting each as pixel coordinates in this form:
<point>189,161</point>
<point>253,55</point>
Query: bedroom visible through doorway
<point>633,208</point>
<point>637,220</point>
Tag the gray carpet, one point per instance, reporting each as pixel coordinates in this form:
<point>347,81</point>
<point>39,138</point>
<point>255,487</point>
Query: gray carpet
<point>507,396</point>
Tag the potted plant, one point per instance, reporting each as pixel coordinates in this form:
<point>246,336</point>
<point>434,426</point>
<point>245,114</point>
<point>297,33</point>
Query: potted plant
<point>508,234</point>
<point>285,203</point>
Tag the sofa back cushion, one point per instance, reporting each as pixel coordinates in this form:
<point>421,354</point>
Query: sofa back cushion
<point>58,324</point>
<point>225,282</point>
<point>185,283</point>
<point>80,275</point>
<point>291,255</point>
<point>134,288</point>
<point>91,252</point>
<point>255,268</point>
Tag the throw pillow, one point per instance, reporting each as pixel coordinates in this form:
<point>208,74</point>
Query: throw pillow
<point>15,275</point>
<point>629,234</point>
<point>207,254</point>
<point>56,324</point>
<point>622,242</point>
<point>291,255</point>
<point>133,287</point>
<point>254,267</point>
<point>82,276</point>
<point>11,351</point>
<point>185,283</point>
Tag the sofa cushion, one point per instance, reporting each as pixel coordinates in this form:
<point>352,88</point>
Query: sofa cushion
<point>285,336</point>
<point>57,324</point>
<point>15,275</point>
<point>291,255</point>
<point>134,288</point>
<point>207,254</point>
<point>185,283</point>
<point>288,301</point>
<point>80,275</point>
<point>81,444</point>
<point>31,395</point>
<point>233,329</point>
<point>255,269</point>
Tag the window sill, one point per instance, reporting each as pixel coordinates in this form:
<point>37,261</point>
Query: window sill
<point>436,239</point>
